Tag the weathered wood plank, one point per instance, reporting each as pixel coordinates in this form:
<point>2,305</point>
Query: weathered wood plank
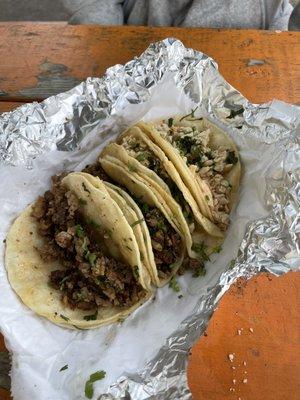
<point>8,105</point>
<point>258,323</point>
<point>40,59</point>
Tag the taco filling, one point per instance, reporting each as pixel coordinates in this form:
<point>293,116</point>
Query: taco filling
<point>141,152</point>
<point>211,165</point>
<point>166,242</point>
<point>89,278</point>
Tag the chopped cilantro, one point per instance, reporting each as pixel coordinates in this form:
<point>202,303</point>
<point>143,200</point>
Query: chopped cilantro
<point>173,284</point>
<point>234,113</point>
<point>63,317</point>
<point>185,144</point>
<point>91,317</point>
<point>206,197</point>
<point>91,258</point>
<point>140,157</point>
<point>82,202</point>
<point>161,225</point>
<point>63,281</point>
<point>201,271</point>
<point>93,223</point>
<point>170,122</point>
<point>200,249</point>
<point>79,231</point>
<point>216,249</point>
<point>231,264</point>
<point>231,158</point>
<point>85,188</point>
<point>136,272</point>
<point>139,221</point>
<point>89,389</point>
<point>191,114</point>
<point>64,368</point>
<point>84,246</point>
<point>144,208</point>
<point>132,168</point>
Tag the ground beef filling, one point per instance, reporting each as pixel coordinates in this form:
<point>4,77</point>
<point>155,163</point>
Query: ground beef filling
<point>89,279</point>
<point>147,158</point>
<point>96,169</point>
<point>166,242</point>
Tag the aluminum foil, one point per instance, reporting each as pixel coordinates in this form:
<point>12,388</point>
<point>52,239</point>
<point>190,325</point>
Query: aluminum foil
<point>272,243</point>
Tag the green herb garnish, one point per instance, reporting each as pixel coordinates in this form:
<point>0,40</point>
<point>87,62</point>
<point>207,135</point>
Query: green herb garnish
<point>170,122</point>
<point>191,114</point>
<point>91,317</point>
<point>216,249</point>
<point>140,157</point>
<point>185,144</point>
<point>136,272</point>
<point>231,264</point>
<point>64,368</point>
<point>200,249</point>
<point>91,258</point>
<point>173,284</point>
<point>93,223</point>
<point>89,389</point>
<point>63,317</point>
<point>201,271</point>
<point>63,281</point>
<point>139,221</point>
<point>79,231</point>
<point>82,202</point>
<point>132,168</point>
<point>231,158</point>
<point>144,208</point>
<point>206,197</point>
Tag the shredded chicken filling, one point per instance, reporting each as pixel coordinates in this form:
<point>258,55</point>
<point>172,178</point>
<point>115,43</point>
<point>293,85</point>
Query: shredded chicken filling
<point>211,165</point>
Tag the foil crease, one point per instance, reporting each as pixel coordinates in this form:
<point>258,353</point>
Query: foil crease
<point>270,244</point>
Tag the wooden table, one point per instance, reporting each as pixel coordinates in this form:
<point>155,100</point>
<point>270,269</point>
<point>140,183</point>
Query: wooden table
<point>258,321</point>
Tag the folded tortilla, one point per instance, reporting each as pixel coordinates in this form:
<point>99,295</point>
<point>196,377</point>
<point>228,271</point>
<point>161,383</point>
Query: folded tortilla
<point>28,273</point>
<point>147,200</point>
<point>206,159</point>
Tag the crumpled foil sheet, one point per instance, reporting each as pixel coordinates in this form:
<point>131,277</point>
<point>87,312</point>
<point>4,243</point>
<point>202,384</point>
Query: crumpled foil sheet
<point>270,244</point>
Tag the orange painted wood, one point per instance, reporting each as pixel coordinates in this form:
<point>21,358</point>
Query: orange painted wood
<point>39,59</point>
<point>258,322</point>
<point>8,106</point>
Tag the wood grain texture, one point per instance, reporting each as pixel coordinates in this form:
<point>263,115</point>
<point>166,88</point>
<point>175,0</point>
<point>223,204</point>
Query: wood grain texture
<point>40,59</point>
<point>258,322</point>
<point>9,106</point>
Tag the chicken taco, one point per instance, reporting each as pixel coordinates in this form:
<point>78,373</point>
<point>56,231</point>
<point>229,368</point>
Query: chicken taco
<point>206,159</point>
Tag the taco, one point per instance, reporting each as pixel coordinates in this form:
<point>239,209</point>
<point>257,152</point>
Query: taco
<point>73,258</point>
<point>206,159</point>
<point>165,241</point>
<point>137,150</point>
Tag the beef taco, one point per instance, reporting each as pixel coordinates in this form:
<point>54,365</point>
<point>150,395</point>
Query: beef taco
<point>206,159</point>
<point>165,241</point>
<point>73,258</point>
